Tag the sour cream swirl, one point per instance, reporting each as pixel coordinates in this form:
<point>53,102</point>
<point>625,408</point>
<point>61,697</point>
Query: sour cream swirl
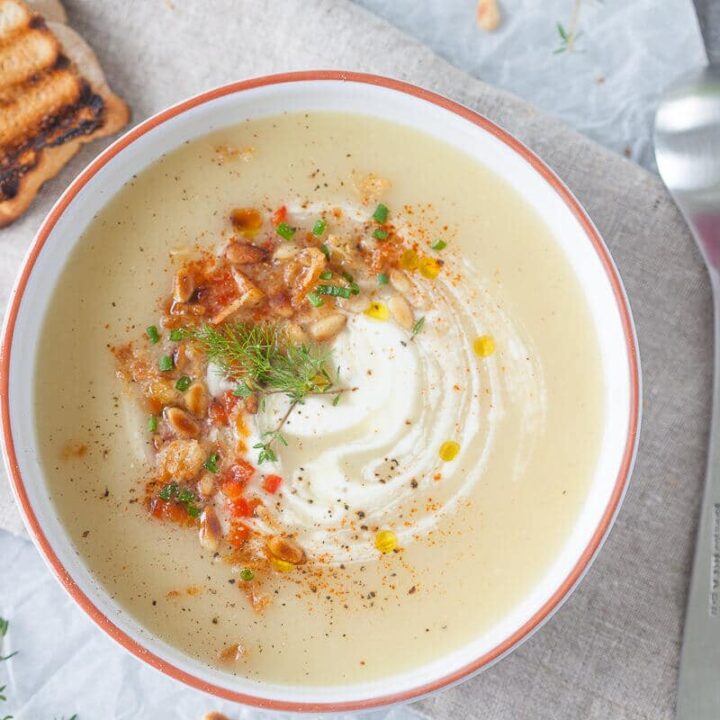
<point>372,462</point>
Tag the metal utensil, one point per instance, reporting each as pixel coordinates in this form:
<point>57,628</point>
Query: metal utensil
<point>687,149</point>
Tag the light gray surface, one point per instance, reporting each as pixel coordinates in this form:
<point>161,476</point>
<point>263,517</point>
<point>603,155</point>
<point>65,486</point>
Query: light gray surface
<point>611,652</point>
<point>607,89</point>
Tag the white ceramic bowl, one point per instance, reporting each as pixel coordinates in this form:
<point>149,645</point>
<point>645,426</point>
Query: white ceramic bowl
<point>407,105</point>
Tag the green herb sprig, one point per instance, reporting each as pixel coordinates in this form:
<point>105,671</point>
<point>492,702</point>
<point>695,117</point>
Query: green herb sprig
<point>4,625</point>
<point>261,360</point>
<point>569,35</point>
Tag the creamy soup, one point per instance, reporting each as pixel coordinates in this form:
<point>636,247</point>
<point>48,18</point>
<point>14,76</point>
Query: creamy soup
<point>319,398</point>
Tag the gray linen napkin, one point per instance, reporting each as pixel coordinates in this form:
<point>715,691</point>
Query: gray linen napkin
<point>611,652</point>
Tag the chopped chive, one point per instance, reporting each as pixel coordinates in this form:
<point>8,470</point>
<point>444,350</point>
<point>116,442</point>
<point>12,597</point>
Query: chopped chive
<point>347,276</point>
<point>172,491</point>
<point>247,574</point>
<point>169,491</point>
<point>153,334</point>
<point>327,275</point>
<point>439,244</point>
<point>185,496</point>
<point>212,461</point>
<point>381,214</point>
<point>380,234</point>
<point>319,228</point>
<point>315,299</point>
<point>418,326</point>
<point>325,250</point>
<point>354,288</point>
<point>285,231</point>
<point>165,363</point>
<point>176,335</point>
<point>383,279</point>
<point>183,383</point>
<point>152,424</point>
<point>336,400</point>
<point>334,291</point>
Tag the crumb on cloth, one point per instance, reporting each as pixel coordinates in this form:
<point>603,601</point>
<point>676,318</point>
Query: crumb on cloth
<point>487,15</point>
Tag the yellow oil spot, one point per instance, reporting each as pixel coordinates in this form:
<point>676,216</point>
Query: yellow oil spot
<point>409,260</point>
<point>449,450</point>
<point>320,380</point>
<point>282,565</point>
<point>429,267</point>
<point>386,541</point>
<point>378,311</point>
<point>484,346</point>
<point>241,426</point>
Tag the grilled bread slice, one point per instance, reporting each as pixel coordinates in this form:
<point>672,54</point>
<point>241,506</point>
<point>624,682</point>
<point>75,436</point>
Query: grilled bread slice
<point>53,99</point>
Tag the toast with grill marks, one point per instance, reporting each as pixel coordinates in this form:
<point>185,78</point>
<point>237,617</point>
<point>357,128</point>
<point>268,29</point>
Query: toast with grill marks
<point>53,99</point>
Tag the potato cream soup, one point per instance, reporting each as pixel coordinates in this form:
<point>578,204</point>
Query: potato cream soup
<point>319,398</point>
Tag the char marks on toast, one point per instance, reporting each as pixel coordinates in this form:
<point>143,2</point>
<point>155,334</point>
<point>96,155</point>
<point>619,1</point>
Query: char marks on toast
<point>47,108</point>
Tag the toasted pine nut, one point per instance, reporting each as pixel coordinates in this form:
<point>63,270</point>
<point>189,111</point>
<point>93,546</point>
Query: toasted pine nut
<point>184,286</point>
<point>401,311</point>
<point>295,334</point>
<point>226,312</point>
<point>250,294</point>
<point>206,485</point>
<point>181,423</point>
<point>328,326</point>
<point>183,459</point>
<point>161,392</point>
<point>370,187</point>
<point>232,653</point>
<point>353,304</point>
<point>285,251</point>
<point>210,529</point>
<point>239,253</point>
<point>196,399</point>
<point>399,280</point>
<point>181,308</point>
<point>286,549</point>
<point>252,404</point>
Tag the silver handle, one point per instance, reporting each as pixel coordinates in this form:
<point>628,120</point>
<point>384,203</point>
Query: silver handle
<point>708,12</point>
<point>699,682</point>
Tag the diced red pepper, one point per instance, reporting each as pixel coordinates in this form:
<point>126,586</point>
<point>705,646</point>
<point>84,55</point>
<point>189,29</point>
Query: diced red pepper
<point>279,216</point>
<point>238,534</point>
<point>241,471</point>
<point>272,483</point>
<point>232,490</point>
<point>240,507</point>
<point>217,414</point>
<point>170,511</point>
<point>229,401</point>
<point>254,504</point>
